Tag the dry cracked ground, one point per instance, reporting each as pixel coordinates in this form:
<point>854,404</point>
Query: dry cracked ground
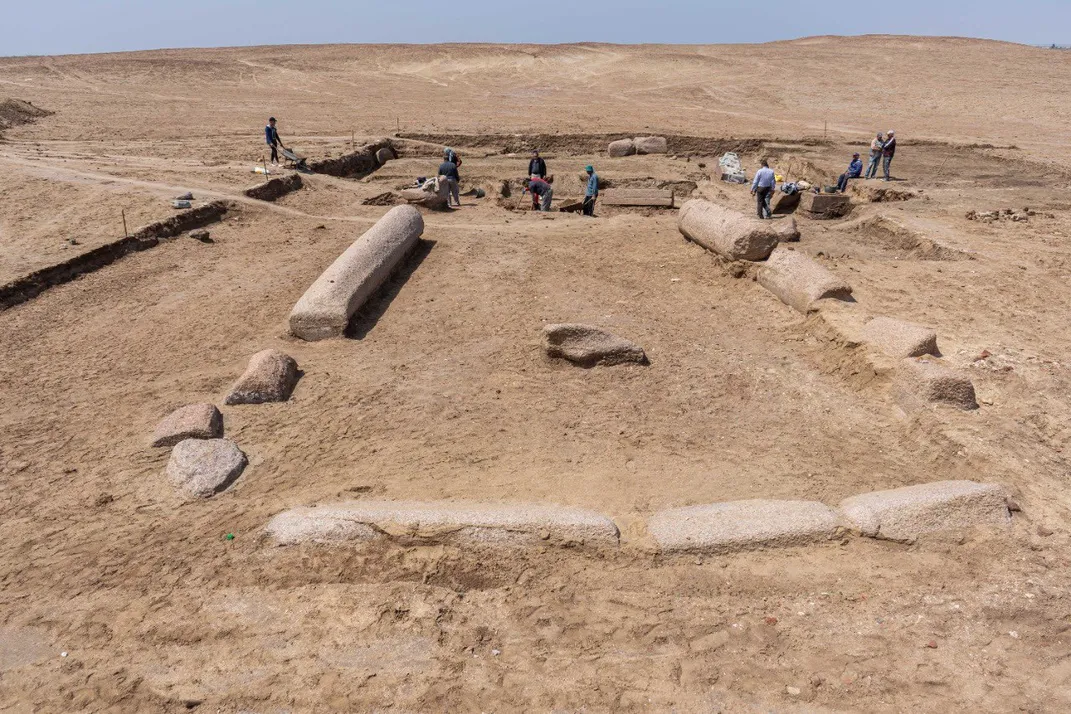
<point>118,595</point>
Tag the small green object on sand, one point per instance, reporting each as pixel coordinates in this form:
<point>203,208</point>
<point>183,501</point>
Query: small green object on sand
<point>229,536</point>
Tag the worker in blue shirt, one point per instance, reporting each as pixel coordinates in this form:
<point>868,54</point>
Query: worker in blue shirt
<point>271,136</point>
<point>763,187</point>
<point>855,170</point>
<point>592,191</point>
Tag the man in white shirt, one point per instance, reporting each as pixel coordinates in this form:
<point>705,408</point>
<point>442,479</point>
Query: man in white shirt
<point>763,187</point>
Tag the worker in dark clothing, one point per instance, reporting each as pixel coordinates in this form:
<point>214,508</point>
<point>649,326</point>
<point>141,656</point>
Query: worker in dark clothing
<point>591,193</point>
<point>542,193</point>
<point>448,172</point>
<point>271,136</point>
<point>537,167</point>
<point>888,152</point>
<point>855,170</point>
<point>451,156</point>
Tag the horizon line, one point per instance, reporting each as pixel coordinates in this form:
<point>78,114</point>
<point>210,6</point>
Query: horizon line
<point>538,44</point>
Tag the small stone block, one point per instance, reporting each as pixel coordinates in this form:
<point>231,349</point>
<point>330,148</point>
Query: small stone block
<point>825,205</point>
<point>270,377</point>
<point>799,281</point>
<point>898,338</point>
<point>921,382</point>
<point>201,468</point>
<point>193,421</point>
<point>903,514</point>
<point>742,525</point>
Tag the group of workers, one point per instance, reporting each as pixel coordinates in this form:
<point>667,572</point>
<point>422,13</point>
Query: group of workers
<point>537,182</point>
<point>542,191</point>
<point>882,151</point>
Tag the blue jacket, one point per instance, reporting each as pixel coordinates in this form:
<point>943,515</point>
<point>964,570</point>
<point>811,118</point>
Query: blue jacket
<point>855,169</point>
<point>593,185</point>
<point>271,135</point>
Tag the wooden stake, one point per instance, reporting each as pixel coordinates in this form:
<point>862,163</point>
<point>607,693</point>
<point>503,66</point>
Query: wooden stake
<point>126,233</point>
<point>941,168</point>
<point>825,129</point>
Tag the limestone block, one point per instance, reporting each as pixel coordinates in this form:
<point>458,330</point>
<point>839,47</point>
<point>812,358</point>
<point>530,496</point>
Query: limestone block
<point>622,147</point>
<point>825,205</point>
<point>651,145</point>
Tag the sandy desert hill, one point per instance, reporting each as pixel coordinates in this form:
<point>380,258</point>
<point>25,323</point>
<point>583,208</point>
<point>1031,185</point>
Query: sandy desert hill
<point>947,88</point>
<point>120,593</point>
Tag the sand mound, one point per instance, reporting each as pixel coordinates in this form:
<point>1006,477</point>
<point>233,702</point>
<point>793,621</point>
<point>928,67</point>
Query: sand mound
<point>15,112</point>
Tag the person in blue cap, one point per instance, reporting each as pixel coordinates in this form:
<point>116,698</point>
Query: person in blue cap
<point>592,191</point>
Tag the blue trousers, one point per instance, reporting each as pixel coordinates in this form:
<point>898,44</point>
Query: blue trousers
<point>872,167</point>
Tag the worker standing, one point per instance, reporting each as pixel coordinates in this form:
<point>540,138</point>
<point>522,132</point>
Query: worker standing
<point>448,173</point>
<point>591,193</point>
<point>888,152</point>
<point>542,191</point>
<point>875,156</point>
<point>537,167</point>
<point>762,187</point>
<point>271,136</point>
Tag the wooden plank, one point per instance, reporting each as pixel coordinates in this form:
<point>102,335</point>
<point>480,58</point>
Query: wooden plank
<point>638,197</point>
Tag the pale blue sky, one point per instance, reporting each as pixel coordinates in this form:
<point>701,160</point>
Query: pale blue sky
<point>77,26</point>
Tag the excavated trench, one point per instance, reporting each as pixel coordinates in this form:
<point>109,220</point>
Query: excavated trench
<point>586,144</point>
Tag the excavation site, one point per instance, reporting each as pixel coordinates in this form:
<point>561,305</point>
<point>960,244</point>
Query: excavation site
<point>495,393</point>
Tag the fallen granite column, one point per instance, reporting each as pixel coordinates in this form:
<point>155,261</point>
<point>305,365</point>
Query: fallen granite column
<point>730,233</point>
<point>327,306</point>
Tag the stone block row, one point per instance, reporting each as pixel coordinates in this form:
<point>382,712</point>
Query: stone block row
<point>901,515</point>
<point>806,286</point>
<point>639,145</point>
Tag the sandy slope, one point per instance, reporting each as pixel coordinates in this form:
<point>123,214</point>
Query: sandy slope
<point>445,393</point>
